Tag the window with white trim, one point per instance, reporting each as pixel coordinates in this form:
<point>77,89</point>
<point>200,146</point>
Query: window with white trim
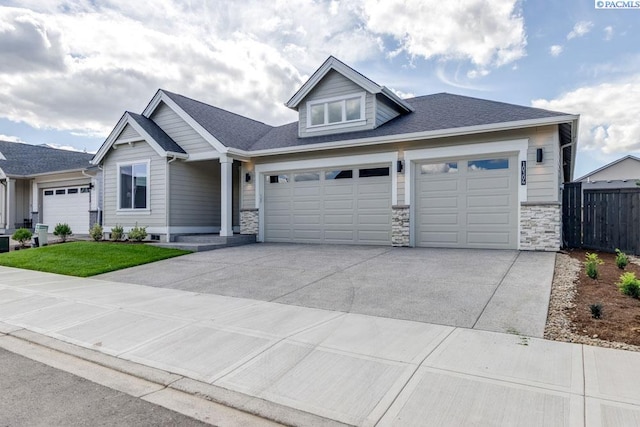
<point>325,112</point>
<point>133,189</point>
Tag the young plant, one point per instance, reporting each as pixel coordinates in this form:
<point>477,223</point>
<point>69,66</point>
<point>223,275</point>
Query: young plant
<point>629,285</point>
<point>117,232</point>
<point>622,260</point>
<point>138,233</point>
<point>62,231</point>
<point>22,236</point>
<point>96,232</point>
<point>591,265</point>
<point>596,310</point>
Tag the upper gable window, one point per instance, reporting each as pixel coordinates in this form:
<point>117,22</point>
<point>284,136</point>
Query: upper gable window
<point>333,111</point>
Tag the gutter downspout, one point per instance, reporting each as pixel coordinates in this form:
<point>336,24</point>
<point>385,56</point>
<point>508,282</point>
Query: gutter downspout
<point>100,213</point>
<point>84,172</point>
<point>167,197</point>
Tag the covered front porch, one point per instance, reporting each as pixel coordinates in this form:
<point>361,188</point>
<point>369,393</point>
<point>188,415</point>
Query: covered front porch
<point>204,202</point>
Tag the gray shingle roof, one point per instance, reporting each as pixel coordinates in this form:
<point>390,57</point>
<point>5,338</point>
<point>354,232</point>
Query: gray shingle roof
<point>26,159</point>
<point>164,140</point>
<point>432,112</point>
<point>230,129</point>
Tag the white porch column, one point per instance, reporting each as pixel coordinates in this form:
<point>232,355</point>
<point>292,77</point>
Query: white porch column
<point>9,201</point>
<point>34,199</point>
<point>226,193</point>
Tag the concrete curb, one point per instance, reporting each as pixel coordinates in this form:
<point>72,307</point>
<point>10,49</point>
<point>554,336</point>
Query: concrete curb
<point>202,401</point>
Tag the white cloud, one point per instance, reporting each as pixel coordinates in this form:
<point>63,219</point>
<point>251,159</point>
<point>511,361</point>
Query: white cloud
<point>450,30</point>
<point>65,147</point>
<point>10,138</point>
<point>76,66</point>
<point>556,50</point>
<point>608,114</point>
<point>608,33</point>
<point>580,29</point>
<point>401,94</point>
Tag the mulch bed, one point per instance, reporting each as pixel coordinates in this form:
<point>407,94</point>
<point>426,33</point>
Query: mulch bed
<point>620,321</point>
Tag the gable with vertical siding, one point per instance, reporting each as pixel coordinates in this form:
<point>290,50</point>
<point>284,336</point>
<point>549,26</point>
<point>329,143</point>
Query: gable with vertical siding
<point>128,133</point>
<point>179,130</point>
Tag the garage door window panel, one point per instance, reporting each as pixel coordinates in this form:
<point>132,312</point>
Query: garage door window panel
<point>488,165</point>
<point>306,176</point>
<point>439,168</point>
<point>277,179</point>
<point>373,172</point>
<point>338,174</point>
<point>133,187</point>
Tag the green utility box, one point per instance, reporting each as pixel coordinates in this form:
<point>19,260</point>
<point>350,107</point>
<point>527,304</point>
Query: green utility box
<point>4,244</point>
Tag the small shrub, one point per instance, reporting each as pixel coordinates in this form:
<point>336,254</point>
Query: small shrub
<point>629,285</point>
<point>591,265</point>
<point>22,236</point>
<point>96,232</point>
<point>117,232</point>
<point>596,310</point>
<point>62,231</point>
<point>138,233</point>
<point>622,260</point>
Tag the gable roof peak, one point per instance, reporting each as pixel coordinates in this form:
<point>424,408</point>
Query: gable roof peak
<point>333,63</point>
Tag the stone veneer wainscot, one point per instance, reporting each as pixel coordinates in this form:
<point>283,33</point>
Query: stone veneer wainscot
<point>540,226</point>
<point>249,221</point>
<point>400,225</point>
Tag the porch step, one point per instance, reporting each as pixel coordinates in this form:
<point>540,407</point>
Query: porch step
<point>207,242</point>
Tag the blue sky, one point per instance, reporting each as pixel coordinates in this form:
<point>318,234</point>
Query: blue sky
<point>69,69</point>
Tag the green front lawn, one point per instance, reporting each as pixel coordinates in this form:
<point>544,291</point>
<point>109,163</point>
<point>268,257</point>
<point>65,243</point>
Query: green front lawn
<point>84,259</point>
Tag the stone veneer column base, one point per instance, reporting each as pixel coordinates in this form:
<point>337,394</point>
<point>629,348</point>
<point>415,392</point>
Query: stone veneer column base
<point>249,219</point>
<point>400,225</point>
<point>540,226</point>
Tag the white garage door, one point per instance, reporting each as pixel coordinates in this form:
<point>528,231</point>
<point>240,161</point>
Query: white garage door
<point>347,205</point>
<point>468,203</point>
<point>67,205</point>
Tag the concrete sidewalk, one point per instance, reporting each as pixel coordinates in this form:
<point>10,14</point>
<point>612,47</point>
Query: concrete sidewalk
<point>305,366</point>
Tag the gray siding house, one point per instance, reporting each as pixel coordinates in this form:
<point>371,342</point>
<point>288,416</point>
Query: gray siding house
<point>621,173</point>
<point>359,166</point>
<point>47,185</point>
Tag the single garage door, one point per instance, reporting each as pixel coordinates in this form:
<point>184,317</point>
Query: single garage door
<point>67,205</point>
<point>339,205</point>
<point>468,203</point>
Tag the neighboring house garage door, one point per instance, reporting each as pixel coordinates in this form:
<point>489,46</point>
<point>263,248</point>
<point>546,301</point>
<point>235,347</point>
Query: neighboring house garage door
<point>348,205</point>
<point>467,203</point>
<point>67,205</point>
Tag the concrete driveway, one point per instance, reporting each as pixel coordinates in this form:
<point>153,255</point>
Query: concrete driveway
<point>502,291</point>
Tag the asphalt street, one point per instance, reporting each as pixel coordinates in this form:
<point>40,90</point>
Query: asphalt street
<point>34,394</point>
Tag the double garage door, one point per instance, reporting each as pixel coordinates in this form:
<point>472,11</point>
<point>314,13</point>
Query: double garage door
<point>347,205</point>
<point>461,203</point>
<point>67,205</point>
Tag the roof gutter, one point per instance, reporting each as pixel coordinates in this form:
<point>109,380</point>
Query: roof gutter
<point>440,133</point>
<point>48,173</point>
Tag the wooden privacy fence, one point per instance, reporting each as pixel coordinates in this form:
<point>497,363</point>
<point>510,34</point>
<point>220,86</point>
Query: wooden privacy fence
<point>603,219</point>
